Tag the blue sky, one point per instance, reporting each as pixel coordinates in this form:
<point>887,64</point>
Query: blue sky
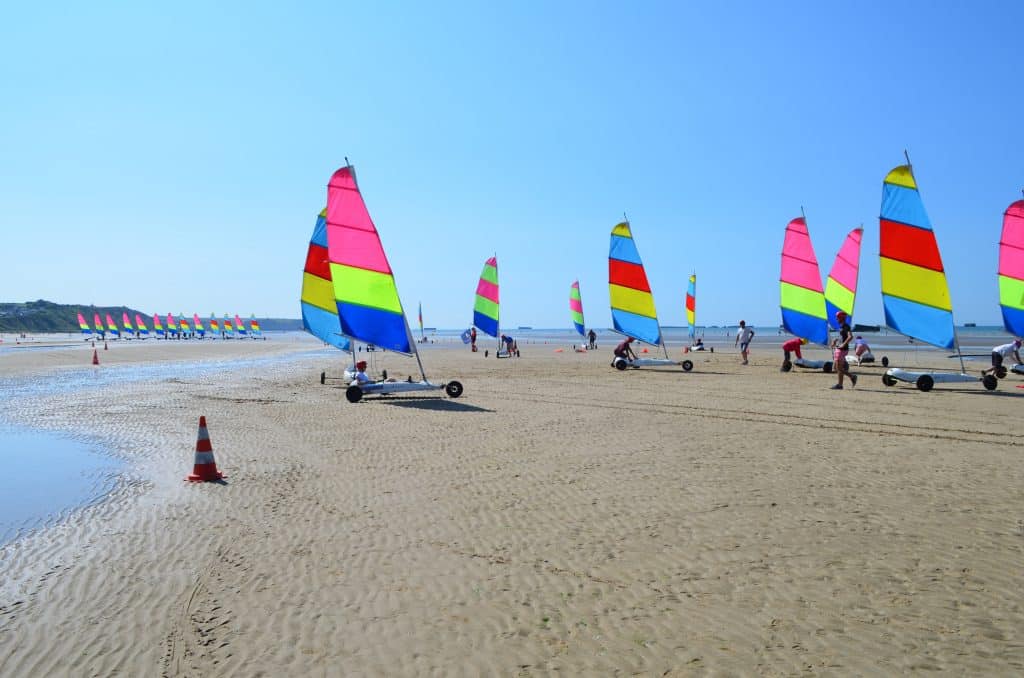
<point>173,157</point>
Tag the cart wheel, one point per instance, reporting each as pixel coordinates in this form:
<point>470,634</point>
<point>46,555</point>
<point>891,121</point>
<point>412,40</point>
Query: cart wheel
<point>323,377</point>
<point>687,365</point>
<point>1000,373</point>
<point>925,383</point>
<point>787,365</point>
<point>620,364</point>
<point>989,382</point>
<point>453,389</point>
<point>827,367</point>
<point>888,381</point>
<point>885,361</point>
<point>354,394</point>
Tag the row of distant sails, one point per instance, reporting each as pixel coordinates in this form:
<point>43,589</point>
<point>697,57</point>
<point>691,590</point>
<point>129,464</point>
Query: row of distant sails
<point>175,328</point>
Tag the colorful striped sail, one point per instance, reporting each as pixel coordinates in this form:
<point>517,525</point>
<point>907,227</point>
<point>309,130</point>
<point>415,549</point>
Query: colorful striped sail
<point>841,285</point>
<point>229,331</point>
<point>319,308</point>
<point>198,324</point>
<point>576,307</point>
<point>98,325</point>
<point>183,324</point>
<point>486,304</point>
<point>82,325</point>
<point>157,326</point>
<point>172,325</point>
<point>421,319</point>
<point>364,286</point>
<point>240,326</point>
<point>126,323</point>
<point>1011,269</point>
<point>214,324</point>
<point>140,326</point>
<point>691,305</point>
<point>633,312</point>
<point>915,294</point>
<point>801,294</point>
<point>254,326</point>
<point>112,328</point>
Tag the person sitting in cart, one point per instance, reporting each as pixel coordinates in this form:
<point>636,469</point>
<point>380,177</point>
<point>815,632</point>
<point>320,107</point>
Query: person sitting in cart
<point>1001,352</point>
<point>361,376</point>
<point>861,351</point>
<point>624,350</point>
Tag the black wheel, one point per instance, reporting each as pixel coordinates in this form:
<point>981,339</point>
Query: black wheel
<point>1000,373</point>
<point>989,382</point>
<point>787,365</point>
<point>925,383</point>
<point>323,377</point>
<point>354,394</point>
<point>885,361</point>
<point>888,381</point>
<point>453,389</point>
<point>827,367</point>
<point>620,364</point>
<point>687,365</point>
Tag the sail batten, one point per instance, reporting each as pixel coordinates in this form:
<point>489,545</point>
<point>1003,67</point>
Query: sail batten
<point>801,294</point>
<point>632,304</point>
<point>841,285</point>
<point>915,293</point>
<point>576,307</point>
<point>486,305</point>
<point>1011,269</point>
<point>365,293</point>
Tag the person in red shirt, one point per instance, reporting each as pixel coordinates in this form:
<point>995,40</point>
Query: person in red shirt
<point>791,346</point>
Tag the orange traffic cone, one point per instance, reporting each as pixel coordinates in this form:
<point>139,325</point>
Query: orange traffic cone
<point>104,346</point>
<point>205,469</point>
<point>95,357</point>
<point>644,351</point>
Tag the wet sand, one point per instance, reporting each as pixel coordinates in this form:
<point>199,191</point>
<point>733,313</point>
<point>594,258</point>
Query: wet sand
<point>559,517</point>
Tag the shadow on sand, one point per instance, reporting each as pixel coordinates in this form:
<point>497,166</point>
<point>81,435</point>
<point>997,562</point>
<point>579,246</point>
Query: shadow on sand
<point>428,403</point>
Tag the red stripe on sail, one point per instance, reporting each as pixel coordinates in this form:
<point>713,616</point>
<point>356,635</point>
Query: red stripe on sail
<point>317,263</point>
<point>909,244</point>
<point>626,274</point>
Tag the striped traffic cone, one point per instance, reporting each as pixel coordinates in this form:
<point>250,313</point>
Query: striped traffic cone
<point>205,469</point>
<point>95,357</point>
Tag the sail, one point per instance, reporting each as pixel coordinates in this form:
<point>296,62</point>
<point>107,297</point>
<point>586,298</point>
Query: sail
<point>240,326</point>
<point>691,305</point>
<point>140,326</point>
<point>915,294</point>
<point>198,324</point>
<point>157,327</point>
<point>98,324</point>
<point>319,308</point>
<point>214,324</point>
<point>229,331</point>
<point>172,325</point>
<point>112,328</point>
<point>486,306</point>
<point>421,319</point>
<point>800,291</point>
<point>364,287</point>
<point>576,307</point>
<point>841,286</point>
<point>126,323</point>
<point>183,324</point>
<point>633,312</point>
<point>1011,269</point>
<point>254,326</point>
<point>82,325</point>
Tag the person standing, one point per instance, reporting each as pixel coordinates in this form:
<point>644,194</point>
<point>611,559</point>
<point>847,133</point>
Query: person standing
<point>744,335</point>
<point>840,349</point>
<point>592,336</point>
<point>472,338</point>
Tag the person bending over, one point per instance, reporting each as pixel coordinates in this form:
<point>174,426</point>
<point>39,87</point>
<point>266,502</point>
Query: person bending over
<point>999,353</point>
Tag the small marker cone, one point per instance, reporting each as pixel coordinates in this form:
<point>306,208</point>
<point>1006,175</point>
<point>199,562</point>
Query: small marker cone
<point>104,345</point>
<point>95,357</point>
<point>205,469</point>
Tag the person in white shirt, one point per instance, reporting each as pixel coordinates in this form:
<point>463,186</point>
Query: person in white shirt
<point>1004,351</point>
<point>361,376</point>
<point>743,338</point>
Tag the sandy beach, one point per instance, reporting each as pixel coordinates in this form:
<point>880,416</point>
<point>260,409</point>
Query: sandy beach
<point>559,518</point>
